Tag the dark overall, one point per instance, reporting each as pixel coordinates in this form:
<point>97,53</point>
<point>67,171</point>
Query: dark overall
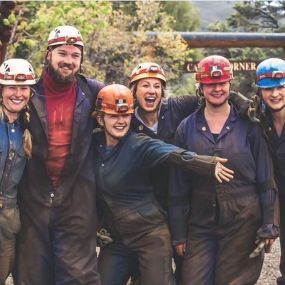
<point>277,148</point>
<point>171,112</point>
<point>57,242</point>
<point>220,221</point>
<point>132,215</point>
<point>12,164</point>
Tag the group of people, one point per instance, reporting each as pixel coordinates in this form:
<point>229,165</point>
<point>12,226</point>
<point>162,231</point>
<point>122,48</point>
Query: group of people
<point>188,178</point>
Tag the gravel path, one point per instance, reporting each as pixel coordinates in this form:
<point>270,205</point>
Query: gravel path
<point>270,270</point>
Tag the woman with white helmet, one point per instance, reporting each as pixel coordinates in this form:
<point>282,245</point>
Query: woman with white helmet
<point>16,78</point>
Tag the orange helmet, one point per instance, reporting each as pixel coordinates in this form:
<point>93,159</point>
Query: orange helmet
<point>214,69</point>
<point>147,70</point>
<point>115,99</point>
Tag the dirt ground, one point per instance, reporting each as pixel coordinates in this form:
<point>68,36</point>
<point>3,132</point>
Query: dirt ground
<point>269,272</point>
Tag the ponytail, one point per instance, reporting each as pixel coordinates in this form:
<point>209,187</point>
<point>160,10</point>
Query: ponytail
<point>27,137</point>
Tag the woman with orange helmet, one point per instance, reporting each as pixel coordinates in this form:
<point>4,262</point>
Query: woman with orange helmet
<point>218,235</point>
<point>131,214</point>
<point>158,117</point>
<point>16,78</point>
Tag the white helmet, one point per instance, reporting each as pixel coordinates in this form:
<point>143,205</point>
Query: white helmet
<point>17,71</point>
<point>65,35</point>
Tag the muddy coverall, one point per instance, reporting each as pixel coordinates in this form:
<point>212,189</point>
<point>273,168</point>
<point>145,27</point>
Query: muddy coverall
<point>277,148</point>
<point>133,217</point>
<point>219,222</point>
<point>57,242</point>
<point>172,111</point>
<point>12,164</point>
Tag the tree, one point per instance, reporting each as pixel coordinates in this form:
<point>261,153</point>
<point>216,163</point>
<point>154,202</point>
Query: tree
<point>261,16</point>
<point>251,16</point>
<point>7,20</point>
<point>31,36</point>
<point>185,15</point>
<point>115,41</point>
<point>125,43</point>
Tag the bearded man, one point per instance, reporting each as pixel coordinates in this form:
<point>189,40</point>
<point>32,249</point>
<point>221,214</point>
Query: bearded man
<point>57,242</point>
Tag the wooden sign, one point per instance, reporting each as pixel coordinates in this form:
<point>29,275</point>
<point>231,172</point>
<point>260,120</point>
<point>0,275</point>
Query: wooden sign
<point>238,66</point>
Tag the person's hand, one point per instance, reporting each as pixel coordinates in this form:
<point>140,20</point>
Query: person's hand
<point>103,237</point>
<point>265,244</point>
<point>223,173</point>
<point>180,249</point>
<point>253,109</point>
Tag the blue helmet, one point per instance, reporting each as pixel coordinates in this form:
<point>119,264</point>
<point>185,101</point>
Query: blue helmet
<point>270,73</point>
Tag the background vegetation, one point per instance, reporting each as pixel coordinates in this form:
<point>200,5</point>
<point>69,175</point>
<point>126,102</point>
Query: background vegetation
<point>116,35</point>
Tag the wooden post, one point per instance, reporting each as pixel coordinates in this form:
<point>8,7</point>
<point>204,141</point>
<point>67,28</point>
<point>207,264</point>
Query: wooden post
<point>3,49</point>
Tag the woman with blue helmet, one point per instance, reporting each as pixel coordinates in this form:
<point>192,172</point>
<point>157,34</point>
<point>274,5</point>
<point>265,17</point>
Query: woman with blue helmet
<point>270,79</point>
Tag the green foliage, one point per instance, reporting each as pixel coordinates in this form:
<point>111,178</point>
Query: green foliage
<point>124,43</point>
<point>258,16</point>
<point>31,38</point>
<point>115,35</point>
<point>251,16</point>
<point>185,16</point>
<point>186,86</point>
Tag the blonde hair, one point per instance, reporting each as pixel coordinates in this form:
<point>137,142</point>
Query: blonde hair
<point>27,137</point>
<point>24,121</point>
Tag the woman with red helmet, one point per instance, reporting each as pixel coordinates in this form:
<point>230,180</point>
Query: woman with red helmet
<point>216,226</point>
<point>131,214</point>
<point>159,116</point>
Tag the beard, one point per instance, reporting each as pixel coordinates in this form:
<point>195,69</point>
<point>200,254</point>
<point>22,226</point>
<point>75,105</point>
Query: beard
<point>58,77</point>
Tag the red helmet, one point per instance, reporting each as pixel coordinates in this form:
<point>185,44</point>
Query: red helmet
<point>115,99</point>
<point>214,69</point>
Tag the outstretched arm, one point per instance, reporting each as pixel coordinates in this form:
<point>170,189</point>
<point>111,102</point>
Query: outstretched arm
<point>201,164</point>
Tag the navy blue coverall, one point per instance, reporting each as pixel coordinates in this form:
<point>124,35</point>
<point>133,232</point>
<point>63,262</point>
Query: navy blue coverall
<point>219,222</point>
<point>57,242</point>
<point>131,213</point>
<point>12,164</point>
<point>172,111</point>
<point>277,148</point>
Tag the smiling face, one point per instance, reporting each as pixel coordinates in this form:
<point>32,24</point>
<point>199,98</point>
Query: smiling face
<point>64,62</point>
<point>274,97</point>
<point>115,126</point>
<point>149,93</point>
<point>216,94</point>
<point>15,98</point>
